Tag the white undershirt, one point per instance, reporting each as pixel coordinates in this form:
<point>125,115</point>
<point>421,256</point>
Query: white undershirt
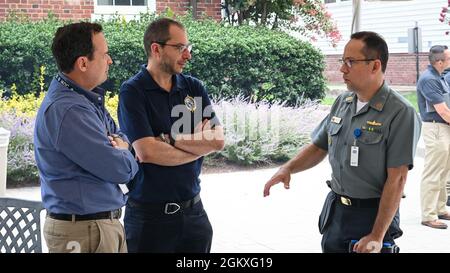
<point>359,105</point>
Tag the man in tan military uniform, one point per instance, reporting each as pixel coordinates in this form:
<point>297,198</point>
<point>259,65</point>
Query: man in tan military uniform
<point>370,137</point>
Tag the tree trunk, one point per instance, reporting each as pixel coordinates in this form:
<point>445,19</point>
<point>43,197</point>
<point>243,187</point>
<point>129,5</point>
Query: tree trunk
<point>264,14</point>
<point>275,22</point>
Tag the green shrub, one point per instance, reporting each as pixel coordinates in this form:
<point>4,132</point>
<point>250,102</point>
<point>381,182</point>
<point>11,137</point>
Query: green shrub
<point>256,63</point>
<point>262,133</point>
<point>254,132</point>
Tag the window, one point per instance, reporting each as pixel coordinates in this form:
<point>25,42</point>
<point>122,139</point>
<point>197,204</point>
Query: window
<point>330,1</point>
<point>122,2</point>
<point>128,9</point>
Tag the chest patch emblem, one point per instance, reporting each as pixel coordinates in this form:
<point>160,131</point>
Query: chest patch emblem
<point>190,103</point>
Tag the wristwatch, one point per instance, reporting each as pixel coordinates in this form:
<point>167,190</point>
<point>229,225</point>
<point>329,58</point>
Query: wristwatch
<point>163,137</point>
<point>169,140</point>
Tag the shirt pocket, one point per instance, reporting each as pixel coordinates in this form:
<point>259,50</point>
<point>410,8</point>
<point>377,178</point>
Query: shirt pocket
<point>371,153</point>
<point>370,138</point>
<point>333,136</point>
<point>334,129</point>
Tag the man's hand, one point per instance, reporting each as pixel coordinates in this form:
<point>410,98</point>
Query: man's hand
<point>283,175</point>
<point>117,142</point>
<point>368,244</point>
<point>203,126</point>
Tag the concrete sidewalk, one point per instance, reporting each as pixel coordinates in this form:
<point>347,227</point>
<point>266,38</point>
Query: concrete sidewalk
<point>286,221</point>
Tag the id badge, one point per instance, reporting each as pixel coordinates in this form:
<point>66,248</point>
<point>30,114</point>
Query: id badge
<point>123,188</point>
<point>354,153</point>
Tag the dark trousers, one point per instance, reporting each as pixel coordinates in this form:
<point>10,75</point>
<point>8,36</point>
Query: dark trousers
<point>346,223</point>
<point>187,231</point>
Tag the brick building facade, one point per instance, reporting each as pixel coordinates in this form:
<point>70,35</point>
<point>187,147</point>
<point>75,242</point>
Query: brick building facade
<point>401,68</point>
<point>84,9</point>
<point>210,8</point>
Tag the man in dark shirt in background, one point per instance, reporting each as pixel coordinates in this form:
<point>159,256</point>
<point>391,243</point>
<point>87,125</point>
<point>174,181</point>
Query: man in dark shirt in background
<point>170,122</point>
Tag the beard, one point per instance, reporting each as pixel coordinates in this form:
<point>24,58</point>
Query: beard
<point>169,68</point>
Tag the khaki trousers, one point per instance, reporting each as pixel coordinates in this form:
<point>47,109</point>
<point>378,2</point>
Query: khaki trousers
<point>436,172</point>
<point>92,236</point>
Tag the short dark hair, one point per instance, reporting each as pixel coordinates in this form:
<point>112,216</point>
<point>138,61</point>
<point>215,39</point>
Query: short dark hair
<point>72,41</point>
<point>158,31</point>
<point>375,46</point>
<point>437,53</point>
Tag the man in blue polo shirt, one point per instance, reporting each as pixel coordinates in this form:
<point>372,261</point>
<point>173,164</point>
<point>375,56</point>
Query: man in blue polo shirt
<point>433,99</point>
<point>81,155</point>
<point>169,120</point>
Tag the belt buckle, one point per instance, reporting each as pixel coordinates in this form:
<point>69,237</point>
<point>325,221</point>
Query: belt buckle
<point>168,205</point>
<point>346,201</point>
<point>115,214</point>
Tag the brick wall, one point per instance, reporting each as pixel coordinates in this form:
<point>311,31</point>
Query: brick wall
<point>82,9</point>
<point>210,8</point>
<point>37,9</point>
<point>401,68</point>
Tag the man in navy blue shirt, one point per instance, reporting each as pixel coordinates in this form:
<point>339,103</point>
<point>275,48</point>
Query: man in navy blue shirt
<point>433,99</point>
<point>170,122</point>
<point>81,155</point>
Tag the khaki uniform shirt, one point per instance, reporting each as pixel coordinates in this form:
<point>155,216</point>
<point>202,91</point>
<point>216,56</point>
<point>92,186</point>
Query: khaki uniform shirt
<point>390,129</point>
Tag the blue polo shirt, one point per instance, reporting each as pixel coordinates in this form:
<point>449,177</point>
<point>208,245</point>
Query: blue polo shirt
<point>146,110</point>
<point>431,89</point>
<point>79,169</point>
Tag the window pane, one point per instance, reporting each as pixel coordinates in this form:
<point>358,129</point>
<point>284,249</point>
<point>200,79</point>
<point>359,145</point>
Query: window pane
<point>123,3</point>
<point>105,2</point>
<point>330,1</point>
<point>139,2</point>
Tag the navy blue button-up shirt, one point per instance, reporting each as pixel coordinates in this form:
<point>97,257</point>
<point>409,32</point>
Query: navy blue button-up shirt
<point>79,168</point>
<point>146,110</point>
<point>431,89</point>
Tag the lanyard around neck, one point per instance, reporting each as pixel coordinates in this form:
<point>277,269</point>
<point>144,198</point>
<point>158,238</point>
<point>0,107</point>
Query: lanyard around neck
<point>80,91</point>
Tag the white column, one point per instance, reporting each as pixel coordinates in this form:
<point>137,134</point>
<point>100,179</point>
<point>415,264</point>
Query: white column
<point>356,24</point>
<point>4,141</point>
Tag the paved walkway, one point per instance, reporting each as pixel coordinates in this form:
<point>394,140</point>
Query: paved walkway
<point>286,221</point>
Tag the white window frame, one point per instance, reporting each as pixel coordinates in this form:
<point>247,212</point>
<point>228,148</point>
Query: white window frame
<point>124,10</point>
<point>337,1</point>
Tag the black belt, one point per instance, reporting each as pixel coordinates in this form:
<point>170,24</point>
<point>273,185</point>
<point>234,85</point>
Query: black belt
<point>359,203</point>
<point>166,208</point>
<point>115,214</point>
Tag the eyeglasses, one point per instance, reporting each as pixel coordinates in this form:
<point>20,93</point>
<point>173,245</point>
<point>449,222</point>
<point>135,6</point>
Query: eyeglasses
<point>181,48</point>
<point>349,62</point>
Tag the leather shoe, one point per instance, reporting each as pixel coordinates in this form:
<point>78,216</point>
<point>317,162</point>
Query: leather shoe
<point>435,224</point>
<point>444,216</point>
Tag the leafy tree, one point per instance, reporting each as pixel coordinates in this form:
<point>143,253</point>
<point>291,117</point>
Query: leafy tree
<point>443,15</point>
<point>307,17</point>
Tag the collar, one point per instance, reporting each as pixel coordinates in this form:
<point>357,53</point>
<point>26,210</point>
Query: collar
<point>151,85</point>
<point>96,96</point>
<point>433,71</point>
<point>379,99</point>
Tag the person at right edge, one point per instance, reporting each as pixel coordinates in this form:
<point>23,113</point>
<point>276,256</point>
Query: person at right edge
<point>433,99</point>
<point>370,137</point>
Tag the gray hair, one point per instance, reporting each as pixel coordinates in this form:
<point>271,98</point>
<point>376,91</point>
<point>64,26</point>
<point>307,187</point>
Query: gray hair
<point>437,53</point>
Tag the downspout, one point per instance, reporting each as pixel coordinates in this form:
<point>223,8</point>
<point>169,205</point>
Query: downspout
<point>194,9</point>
